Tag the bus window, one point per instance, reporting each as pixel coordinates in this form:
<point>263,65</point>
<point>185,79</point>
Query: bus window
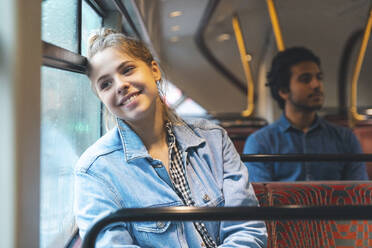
<point>183,105</point>
<point>70,118</point>
<point>90,20</point>
<point>58,23</point>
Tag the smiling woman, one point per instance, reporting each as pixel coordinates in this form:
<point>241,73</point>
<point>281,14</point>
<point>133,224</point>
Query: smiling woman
<point>125,85</point>
<point>126,60</point>
<point>153,158</point>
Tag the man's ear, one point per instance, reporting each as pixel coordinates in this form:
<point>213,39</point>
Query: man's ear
<point>283,93</point>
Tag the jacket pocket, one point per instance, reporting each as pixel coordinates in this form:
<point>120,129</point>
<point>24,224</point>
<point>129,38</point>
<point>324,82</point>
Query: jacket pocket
<point>152,227</point>
<point>156,234</point>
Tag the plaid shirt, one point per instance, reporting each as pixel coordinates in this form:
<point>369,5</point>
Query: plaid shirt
<point>177,174</point>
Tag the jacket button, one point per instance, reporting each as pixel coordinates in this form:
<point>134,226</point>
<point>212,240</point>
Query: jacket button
<point>160,224</point>
<point>206,198</point>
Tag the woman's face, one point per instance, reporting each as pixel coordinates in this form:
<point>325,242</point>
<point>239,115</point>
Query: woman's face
<point>127,86</point>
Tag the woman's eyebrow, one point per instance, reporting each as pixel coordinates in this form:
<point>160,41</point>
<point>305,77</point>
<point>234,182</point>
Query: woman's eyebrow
<point>121,65</point>
<point>102,77</point>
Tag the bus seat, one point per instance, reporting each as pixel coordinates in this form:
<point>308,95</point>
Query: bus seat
<point>238,136</point>
<point>239,129</point>
<point>317,233</point>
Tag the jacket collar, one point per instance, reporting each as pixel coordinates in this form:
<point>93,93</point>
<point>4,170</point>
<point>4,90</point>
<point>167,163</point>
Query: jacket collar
<point>134,148</point>
<point>186,137</point>
<point>285,125</point>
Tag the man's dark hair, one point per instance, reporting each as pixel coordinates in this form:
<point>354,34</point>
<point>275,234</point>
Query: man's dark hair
<point>280,73</point>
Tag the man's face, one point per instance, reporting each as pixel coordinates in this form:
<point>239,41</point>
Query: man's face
<point>305,87</point>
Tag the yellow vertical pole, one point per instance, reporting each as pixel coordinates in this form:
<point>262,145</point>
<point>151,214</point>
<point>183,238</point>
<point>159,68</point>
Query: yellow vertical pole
<point>275,24</point>
<point>358,66</point>
<point>245,58</point>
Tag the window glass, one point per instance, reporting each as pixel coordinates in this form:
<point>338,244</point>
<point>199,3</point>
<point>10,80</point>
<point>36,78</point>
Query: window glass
<point>59,23</point>
<point>127,28</point>
<point>70,123</point>
<point>90,21</point>
<point>184,106</point>
<point>172,94</point>
<point>190,108</point>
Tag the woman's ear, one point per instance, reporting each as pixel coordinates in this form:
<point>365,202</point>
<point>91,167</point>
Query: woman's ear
<point>155,70</point>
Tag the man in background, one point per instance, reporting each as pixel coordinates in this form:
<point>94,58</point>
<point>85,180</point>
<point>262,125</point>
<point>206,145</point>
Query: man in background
<point>296,83</point>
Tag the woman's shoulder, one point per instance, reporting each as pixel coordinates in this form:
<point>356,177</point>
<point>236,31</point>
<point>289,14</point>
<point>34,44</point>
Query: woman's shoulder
<point>202,124</point>
<point>107,144</point>
<point>201,130</point>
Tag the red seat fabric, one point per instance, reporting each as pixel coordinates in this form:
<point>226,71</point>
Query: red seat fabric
<point>238,135</point>
<point>314,233</point>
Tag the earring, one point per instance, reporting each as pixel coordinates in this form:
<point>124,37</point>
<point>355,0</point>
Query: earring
<point>158,86</point>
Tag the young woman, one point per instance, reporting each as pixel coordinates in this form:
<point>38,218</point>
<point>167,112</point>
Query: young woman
<point>154,159</point>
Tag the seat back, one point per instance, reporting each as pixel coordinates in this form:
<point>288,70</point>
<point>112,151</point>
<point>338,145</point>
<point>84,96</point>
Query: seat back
<point>317,233</point>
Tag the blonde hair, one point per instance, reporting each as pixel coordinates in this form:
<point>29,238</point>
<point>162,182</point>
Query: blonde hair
<point>107,37</point>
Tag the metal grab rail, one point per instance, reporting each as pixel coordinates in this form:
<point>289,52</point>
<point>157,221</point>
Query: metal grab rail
<point>305,157</point>
<point>358,66</point>
<point>275,24</point>
<point>292,212</point>
<point>205,51</point>
<point>345,61</point>
<point>245,58</point>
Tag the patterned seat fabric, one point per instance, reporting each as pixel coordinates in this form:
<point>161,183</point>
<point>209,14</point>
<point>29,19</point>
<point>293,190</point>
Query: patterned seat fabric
<point>314,233</point>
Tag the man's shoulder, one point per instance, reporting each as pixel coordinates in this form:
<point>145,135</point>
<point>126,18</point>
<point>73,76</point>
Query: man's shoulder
<point>268,130</point>
<point>335,128</point>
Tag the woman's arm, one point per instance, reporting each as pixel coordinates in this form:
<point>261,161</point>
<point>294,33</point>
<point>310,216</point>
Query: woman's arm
<point>94,199</point>
<point>239,192</point>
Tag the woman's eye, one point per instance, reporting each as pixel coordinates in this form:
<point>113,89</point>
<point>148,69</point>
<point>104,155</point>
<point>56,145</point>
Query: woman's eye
<point>104,85</point>
<point>127,70</point>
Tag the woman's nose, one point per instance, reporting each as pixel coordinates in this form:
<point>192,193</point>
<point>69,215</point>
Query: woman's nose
<point>122,87</point>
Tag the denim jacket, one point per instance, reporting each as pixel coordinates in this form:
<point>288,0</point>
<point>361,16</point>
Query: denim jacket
<point>117,172</point>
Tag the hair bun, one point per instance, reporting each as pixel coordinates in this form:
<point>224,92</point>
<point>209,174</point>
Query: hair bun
<point>100,34</point>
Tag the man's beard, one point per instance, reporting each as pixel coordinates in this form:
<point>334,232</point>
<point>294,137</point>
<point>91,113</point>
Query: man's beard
<point>303,106</point>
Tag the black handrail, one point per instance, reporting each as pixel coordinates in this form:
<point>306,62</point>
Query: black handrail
<point>305,157</point>
<point>292,212</point>
<point>200,43</point>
